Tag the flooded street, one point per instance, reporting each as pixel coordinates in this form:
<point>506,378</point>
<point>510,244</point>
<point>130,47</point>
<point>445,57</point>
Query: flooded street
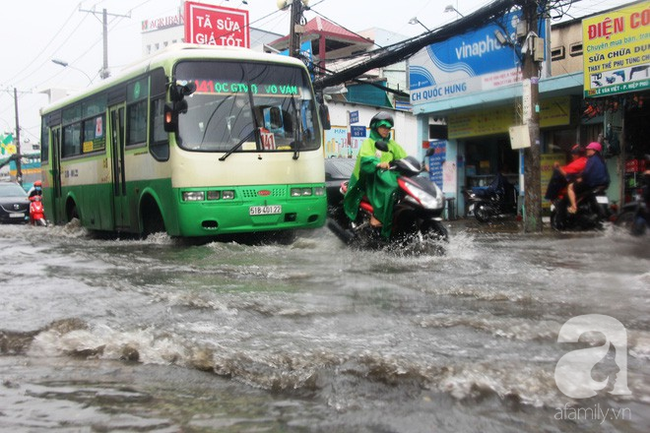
<point>162,336</point>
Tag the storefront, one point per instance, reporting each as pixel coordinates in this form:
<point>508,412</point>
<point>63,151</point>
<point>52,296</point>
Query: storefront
<point>604,102</point>
<point>478,142</point>
<point>636,144</point>
<point>617,87</point>
<point>473,81</point>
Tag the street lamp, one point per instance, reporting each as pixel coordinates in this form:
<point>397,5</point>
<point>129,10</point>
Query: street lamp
<point>67,65</point>
<point>415,20</point>
<point>450,8</point>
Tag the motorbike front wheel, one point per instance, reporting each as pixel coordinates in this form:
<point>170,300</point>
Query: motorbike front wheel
<point>482,212</point>
<point>431,238</point>
<point>435,231</point>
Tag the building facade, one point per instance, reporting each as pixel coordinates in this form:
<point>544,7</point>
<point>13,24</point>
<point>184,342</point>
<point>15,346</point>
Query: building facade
<point>479,102</point>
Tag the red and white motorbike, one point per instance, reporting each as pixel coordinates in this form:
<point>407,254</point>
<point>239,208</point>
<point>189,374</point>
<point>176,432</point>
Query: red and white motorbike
<point>37,211</point>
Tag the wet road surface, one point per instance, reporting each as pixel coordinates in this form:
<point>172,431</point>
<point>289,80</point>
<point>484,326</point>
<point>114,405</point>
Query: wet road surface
<point>161,335</point>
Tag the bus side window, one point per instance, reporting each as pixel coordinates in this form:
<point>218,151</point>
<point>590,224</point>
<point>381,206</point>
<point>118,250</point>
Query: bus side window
<point>71,140</point>
<point>158,138</point>
<point>45,142</point>
<point>136,123</point>
<point>159,142</point>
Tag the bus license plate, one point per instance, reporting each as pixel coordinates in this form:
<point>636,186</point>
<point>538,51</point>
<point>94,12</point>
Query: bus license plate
<point>16,215</point>
<point>265,210</point>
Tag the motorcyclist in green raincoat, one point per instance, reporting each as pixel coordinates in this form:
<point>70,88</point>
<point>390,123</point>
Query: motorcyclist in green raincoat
<point>371,176</point>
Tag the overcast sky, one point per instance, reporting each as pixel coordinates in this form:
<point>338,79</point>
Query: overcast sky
<point>36,31</point>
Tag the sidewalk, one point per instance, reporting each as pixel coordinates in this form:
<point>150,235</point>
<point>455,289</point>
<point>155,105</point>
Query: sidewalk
<point>505,225</point>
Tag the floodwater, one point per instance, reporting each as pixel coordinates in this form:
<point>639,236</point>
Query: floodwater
<point>158,335</point>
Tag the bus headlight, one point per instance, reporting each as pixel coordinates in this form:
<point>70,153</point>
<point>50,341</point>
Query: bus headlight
<point>319,191</point>
<point>193,196</point>
<point>228,194</point>
<point>214,195</point>
<point>301,192</point>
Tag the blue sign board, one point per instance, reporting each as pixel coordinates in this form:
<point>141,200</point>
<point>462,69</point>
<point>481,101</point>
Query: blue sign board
<point>438,155</point>
<point>354,117</point>
<point>358,131</point>
<point>472,62</point>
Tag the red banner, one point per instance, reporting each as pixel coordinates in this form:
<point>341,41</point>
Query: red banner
<point>216,25</point>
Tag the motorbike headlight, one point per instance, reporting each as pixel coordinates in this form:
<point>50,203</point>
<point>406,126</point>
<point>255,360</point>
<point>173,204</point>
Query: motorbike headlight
<point>425,199</point>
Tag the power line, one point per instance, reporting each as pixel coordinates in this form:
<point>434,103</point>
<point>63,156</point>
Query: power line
<point>40,55</point>
<point>105,14</point>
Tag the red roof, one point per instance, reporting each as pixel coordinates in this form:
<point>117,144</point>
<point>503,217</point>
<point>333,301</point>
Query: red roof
<point>320,26</point>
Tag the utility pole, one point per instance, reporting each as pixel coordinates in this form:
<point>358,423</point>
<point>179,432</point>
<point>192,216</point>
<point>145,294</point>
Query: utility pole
<point>104,72</point>
<point>19,166</point>
<point>294,36</point>
<point>530,104</point>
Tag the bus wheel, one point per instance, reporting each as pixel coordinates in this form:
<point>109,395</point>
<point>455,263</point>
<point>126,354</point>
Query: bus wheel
<point>71,211</point>
<point>152,220</point>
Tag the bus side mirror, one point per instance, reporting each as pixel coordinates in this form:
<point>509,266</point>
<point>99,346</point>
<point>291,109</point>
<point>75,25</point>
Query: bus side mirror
<point>178,105</point>
<point>324,114</point>
<point>177,92</point>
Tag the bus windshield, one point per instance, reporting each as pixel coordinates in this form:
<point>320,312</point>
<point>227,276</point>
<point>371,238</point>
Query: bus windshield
<point>246,106</point>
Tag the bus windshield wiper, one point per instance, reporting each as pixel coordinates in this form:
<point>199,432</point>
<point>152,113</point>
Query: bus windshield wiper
<point>237,146</point>
<point>253,133</point>
<point>297,136</point>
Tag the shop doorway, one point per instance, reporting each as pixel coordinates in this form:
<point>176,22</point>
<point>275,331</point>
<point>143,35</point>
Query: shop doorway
<point>488,155</point>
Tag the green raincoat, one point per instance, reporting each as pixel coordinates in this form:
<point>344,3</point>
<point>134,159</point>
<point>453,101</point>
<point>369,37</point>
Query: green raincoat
<point>377,184</point>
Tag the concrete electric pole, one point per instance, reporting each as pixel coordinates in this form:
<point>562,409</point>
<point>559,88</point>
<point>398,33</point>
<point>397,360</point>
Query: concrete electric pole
<point>297,7</point>
<point>105,72</point>
<point>19,167</point>
<point>533,54</point>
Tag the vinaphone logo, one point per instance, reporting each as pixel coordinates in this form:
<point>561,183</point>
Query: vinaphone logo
<point>573,372</point>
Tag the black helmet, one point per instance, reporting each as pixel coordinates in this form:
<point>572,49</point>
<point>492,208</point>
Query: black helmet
<point>578,150</point>
<point>381,118</point>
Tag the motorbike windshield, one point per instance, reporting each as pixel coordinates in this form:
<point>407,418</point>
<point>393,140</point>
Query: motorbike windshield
<point>239,106</point>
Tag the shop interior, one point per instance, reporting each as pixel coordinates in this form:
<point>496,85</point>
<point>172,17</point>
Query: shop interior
<point>487,156</point>
<point>637,146</point>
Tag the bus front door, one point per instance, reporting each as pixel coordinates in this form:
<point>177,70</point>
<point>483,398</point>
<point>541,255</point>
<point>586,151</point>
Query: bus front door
<point>58,206</point>
<point>120,198</point>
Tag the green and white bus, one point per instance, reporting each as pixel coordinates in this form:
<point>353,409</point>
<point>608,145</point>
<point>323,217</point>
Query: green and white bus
<point>194,141</point>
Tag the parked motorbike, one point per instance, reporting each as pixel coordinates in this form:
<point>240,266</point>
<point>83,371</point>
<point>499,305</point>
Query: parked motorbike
<point>498,200</point>
<point>593,210</point>
<point>37,211</point>
<point>417,213</point>
<point>635,216</point>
